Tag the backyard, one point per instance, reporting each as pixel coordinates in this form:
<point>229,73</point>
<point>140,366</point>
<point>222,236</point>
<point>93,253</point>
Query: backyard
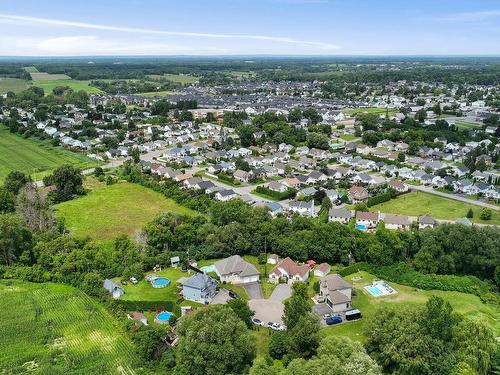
<point>34,157</point>
<point>112,210</point>
<point>57,329</point>
<point>420,203</point>
<point>467,304</point>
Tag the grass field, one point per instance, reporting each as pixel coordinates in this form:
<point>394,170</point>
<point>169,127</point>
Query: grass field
<point>178,78</point>
<point>34,157</point>
<point>54,329</point>
<point>155,93</point>
<point>42,76</point>
<point>466,304</point>
<point>12,84</point>
<point>109,211</point>
<point>420,203</point>
<point>31,69</point>
<point>380,111</point>
<point>76,85</point>
<point>468,125</point>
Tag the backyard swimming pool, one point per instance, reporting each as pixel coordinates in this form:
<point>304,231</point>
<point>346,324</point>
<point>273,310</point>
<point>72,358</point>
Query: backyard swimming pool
<point>361,227</point>
<point>208,269</point>
<point>160,282</point>
<point>380,288</point>
<point>163,317</point>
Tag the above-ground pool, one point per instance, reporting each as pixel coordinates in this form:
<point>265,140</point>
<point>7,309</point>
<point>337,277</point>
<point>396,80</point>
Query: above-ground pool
<point>163,317</point>
<point>208,269</point>
<point>160,282</point>
<point>361,227</point>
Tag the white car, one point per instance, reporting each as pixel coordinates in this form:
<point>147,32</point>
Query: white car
<point>133,280</point>
<point>326,316</point>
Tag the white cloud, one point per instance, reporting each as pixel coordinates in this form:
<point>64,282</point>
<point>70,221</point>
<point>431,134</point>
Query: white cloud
<point>6,18</point>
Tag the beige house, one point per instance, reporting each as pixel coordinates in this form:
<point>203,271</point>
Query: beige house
<point>336,291</point>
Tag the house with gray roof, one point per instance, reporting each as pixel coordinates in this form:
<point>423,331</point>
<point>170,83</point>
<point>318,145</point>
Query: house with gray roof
<point>235,270</point>
<point>339,215</point>
<point>113,288</point>
<point>199,288</point>
<point>336,291</point>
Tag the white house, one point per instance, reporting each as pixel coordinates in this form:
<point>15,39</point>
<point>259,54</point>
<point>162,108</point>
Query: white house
<point>235,270</point>
<point>290,271</point>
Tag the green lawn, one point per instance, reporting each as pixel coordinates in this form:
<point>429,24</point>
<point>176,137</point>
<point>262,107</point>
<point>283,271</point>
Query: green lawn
<point>109,211</point>
<point>155,93</point>
<point>143,291</point>
<point>348,137</point>
<point>33,156</point>
<point>76,85</point>
<point>468,125</point>
<point>466,304</point>
<point>12,84</point>
<point>380,111</point>
<point>420,203</point>
<point>54,329</point>
<point>181,78</point>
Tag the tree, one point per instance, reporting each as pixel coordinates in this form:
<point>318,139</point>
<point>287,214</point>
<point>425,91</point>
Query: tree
<point>15,238</point>
<point>92,284</point>
<point>149,342</point>
<point>68,181</point>
<point>7,201</point>
<point>135,154</point>
<point>481,165</point>
<point>421,115</point>
<point>303,338</point>
<point>318,140</point>
<point>213,341</point>
<point>485,214</point>
<point>278,345</point>
<point>262,367</point>
<point>245,132</point>
<point>98,171</point>
<point>297,306</point>
<point>470,213</point>
<point>242,311</point>
<point>35,209</point>
<point>14,181</point>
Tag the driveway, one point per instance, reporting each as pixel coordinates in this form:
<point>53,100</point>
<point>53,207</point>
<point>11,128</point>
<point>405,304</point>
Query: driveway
<point>221,297</point>
<point>253,290</point>
<point>281,293</point>
<point>267,310</point>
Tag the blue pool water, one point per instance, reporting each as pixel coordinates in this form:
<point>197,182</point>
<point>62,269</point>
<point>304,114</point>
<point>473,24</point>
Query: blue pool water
<point>161,282</point>
<point>361,227</point>
<point>164,316</point>
<point>208,269</point>
<point>376,292</point>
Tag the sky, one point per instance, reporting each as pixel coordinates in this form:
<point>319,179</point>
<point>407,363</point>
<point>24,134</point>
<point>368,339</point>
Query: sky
<point>249,27</point>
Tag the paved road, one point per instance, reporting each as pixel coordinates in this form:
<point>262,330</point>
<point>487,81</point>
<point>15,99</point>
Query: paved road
<point>253,290</point>
<point>430,190</point>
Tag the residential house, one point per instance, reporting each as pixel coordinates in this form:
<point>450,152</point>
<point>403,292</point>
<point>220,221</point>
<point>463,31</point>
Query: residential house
<point>242,176</point>
<point>339,215</point>
<point>235,270</point>
<point>336,291</point>
<point>277,186</point>
<point>199,288</point>
<point>322,270</point>
<point>399,186</point>
<point>396,222</point>
<point>225,195</point>
<point>426,221</point>
<point>357,194</point>
<point>368,219</point>
<point>289,271</point>
<point>302,208</point>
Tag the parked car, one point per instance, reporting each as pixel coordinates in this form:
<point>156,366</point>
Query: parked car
<point>270,325</point>
<point>257,322</point>
<point>133,280</point>
<point>233,294</point>
<point>124,282</point>
<point>326,316</point>
<point>335,319</point>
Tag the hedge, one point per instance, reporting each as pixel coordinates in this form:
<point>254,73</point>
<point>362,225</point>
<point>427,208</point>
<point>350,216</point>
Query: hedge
<point>276,195</point>
<point>128,305</point>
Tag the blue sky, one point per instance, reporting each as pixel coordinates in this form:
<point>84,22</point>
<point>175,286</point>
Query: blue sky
<point>228,27</point>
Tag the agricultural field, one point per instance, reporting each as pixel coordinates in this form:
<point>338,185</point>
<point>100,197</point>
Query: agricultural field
<point>49,84</point>
<point>34,157</point>
<point>467,304</point>
<point>109,211</point>
<point>42,76</point>
<point>12,84</point>
<point>31,69</point>
<point>420,203</point>
<point>53,329</point>
<point>152,94</point>
<point>178,78</point>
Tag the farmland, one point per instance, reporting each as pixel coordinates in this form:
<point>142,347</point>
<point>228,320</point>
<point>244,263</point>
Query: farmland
<point>466,304</point>
<point>178,78</point>
<point>109,211</point>
<point>374,110</point>
<point>419,203</point>
<point>49,84</point>
<point>57,329</point>
<point>34,157</point>
<point>42,76</point>
<point>12,84</point>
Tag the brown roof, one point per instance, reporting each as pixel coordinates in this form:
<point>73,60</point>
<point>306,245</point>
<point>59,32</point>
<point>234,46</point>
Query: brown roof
<point>358,192</point>
<point>136,315</point>
<point>291,268</point>
<point>323,267</point>
<point>396,184</point>
<point>362,215</point>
